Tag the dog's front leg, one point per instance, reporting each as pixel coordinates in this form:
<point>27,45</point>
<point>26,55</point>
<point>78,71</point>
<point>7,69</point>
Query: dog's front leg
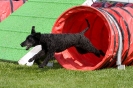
<point>47,59</point>
<point>37,56</point>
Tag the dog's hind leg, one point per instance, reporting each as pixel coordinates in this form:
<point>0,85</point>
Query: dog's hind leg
<point>81,50</point>
<point>102,53</point>
<point>90,49</point>
<point>37,56</point>
<point>93,50</point>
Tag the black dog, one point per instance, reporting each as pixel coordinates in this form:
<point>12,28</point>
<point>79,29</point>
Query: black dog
<point>52,43</point>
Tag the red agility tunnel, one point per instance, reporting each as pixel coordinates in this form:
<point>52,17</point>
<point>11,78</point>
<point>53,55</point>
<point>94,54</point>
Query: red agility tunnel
<point>103,33</point>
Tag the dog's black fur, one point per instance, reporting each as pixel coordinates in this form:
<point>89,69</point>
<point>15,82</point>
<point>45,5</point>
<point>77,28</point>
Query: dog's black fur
<point>52,43</point>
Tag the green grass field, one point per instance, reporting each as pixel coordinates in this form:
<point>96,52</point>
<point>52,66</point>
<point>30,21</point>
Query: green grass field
<point>13,75</point>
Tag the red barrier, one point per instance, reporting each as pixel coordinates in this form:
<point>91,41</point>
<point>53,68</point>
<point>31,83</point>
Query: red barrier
<point>103,34</point>
<point>5,7</point>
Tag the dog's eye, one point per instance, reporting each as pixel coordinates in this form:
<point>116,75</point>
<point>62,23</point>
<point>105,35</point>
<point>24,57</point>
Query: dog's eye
<point>29,39</point>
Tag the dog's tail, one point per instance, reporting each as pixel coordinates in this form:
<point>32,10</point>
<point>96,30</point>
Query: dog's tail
<point>88,24</point>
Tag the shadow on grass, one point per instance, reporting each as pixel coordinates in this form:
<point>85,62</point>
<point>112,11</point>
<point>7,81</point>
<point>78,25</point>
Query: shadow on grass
<point>34,68</point>
<point>15,66</point>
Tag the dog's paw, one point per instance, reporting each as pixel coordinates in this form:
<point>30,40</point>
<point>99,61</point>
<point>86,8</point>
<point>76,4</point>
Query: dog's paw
<point>102,53</point>
<point>41,66</point>
<point>30,60</point>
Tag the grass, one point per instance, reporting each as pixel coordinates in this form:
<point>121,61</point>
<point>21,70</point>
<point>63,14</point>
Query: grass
<point>13,75</point>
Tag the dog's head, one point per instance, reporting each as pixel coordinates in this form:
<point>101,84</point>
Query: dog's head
<point>32,40</point>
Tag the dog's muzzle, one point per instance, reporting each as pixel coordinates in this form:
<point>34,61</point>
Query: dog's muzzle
<point>28,47</point>
<point>24,45</point>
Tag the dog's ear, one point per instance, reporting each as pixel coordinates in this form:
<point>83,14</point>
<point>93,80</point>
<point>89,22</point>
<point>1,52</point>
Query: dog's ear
<point>33,30</point>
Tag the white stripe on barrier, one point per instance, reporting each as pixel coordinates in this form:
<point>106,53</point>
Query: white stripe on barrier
<point>89,2</point>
